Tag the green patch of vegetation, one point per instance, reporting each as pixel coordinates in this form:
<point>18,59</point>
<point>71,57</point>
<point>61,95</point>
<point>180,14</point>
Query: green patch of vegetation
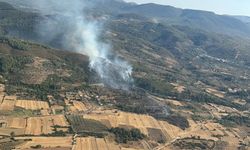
<point>20,112</point>
<point>199,117</point>
<point>13,64</point>
<point>123,136</point>
<point>15,44</point>
<point>194,143</point>
<point>202,97</point>
<point>154,85</point>
<point>10,144</point>
<point>176,120</point>
<point>234,120</point>
<point>36,146</point>
<point>134,109</point>
<point>82,125</point>
<point>39,91</point>
<point>243,94</point>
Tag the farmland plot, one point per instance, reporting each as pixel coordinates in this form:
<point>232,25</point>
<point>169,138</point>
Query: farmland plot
<point>59,120</point>
<point>44,125</point>
<point>32,104</point>
<point>47,142</point>
<point>78,106</point>
<point>8,104</point>
<point>91,143</point>
<point>80,124</point>
<point>18,123</point>
<point>142,122</point>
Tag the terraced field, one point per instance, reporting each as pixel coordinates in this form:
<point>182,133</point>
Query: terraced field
<point>78,106</point>
<point>47,142</point>
<point>142,122</point>
<point>34,125</point>
<point>18,123</point>
<point>44,125</point>
<point>8,104</point>
<point>91,143</point>
<point>32,104</point>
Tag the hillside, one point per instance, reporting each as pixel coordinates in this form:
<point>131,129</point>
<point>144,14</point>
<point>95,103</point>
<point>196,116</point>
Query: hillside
<point>190,86</point>
<point>208,21</point>
<point>34,70</point>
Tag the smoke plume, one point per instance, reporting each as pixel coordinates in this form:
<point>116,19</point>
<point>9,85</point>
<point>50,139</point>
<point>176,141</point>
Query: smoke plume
<point>67,20</point>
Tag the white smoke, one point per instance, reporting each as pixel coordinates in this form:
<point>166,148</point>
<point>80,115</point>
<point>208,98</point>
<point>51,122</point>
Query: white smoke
<point>81,33</point>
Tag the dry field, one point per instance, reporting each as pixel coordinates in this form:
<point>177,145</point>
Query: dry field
<point>174,102</point>
<point>204,130</point>
<point>218,110</point>
<point>47,142</point>
<point>7,131</point>
<point>43,125</point>
<point>148,125</point>
<point>33,125</point>
<point>78,106</point>
<point>240,101</point>
<point>18,123</point>
<point>91,143</point>
<point>38,126</point>
<point>178,88</point>
<point>32,104</point>
<point>8,104</point>
<point>142,122</point>
<point>45,112</point>
<point>215,92</point>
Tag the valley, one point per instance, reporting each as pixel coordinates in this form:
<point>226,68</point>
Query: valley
<point>189,87</point>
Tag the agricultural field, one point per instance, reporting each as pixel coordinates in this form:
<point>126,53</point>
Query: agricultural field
<point>128,120</point>
<point>45,112</point>
<point>33,125</point>
<point>8,103</point>
<point>7,143</point>
<point>18,123</point>
<point>78,106</point>
<point>44,125</point>
<point>46,142</point>
<point>32,104</point>
<point>80,124</point>
<point>91,143</point>
<point>57,109</point>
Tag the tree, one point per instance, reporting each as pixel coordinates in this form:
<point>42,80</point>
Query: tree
<point>12,135</point>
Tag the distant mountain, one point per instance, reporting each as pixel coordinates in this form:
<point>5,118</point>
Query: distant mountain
<point>245,19</point>
<point>209,21</point>
<point>204,20</point>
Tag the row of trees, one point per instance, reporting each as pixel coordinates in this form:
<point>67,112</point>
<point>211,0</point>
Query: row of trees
<point>123,135</point>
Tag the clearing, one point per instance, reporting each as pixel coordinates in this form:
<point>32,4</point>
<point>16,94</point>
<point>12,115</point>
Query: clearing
<point>91,143</point>
<point>8,104</point>
<point>32,104</point>
<point>46,142</point>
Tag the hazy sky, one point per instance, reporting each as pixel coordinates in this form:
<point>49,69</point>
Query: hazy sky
<point>232,7</point>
